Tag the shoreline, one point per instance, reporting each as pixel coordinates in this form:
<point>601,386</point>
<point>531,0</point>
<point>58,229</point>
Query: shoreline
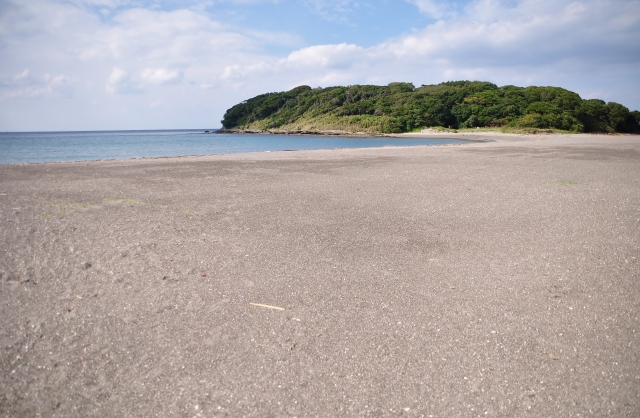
<point>425,133</point>
<point>487,138</point>
<point>329,147</point>
<point>336,132</point>
<point>235,153</point>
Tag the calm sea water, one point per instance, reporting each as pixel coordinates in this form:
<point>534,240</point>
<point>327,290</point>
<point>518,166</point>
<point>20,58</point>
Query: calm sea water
<point>32,147</point>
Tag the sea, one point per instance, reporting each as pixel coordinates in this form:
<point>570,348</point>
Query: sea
<point>41,147</point>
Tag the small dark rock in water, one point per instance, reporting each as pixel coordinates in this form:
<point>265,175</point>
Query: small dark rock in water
<point>87,265</point>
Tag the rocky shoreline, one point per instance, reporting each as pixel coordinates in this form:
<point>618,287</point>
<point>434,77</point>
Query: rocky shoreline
<point>299,132</point>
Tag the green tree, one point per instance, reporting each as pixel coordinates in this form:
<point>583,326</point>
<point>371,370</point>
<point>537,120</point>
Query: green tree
<point>594,114</point>
<point>636,118</point>
<point>400,107</point>
<point>620,119</point>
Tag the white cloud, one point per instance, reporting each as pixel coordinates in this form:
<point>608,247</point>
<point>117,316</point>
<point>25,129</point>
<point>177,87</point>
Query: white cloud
<point>341,55</point>
<point>104,3</point>
<point>27,85</point>
<point>159,75</point>
<point>322,64</point>
<point>544,42</point>
<point>430,7</point>
<point>158,36</point>
<point>21,76</point>
<point>119,82</point>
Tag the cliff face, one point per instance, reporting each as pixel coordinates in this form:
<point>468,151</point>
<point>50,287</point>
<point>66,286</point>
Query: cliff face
<point>400,107</point>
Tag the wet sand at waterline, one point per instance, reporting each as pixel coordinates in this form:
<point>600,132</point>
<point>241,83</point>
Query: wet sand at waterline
<point>486,279</point>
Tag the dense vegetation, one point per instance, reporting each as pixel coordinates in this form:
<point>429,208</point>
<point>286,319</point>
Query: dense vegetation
<point>400,107</point>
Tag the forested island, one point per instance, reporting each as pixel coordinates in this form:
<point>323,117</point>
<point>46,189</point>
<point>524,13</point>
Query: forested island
<point>401,107</point>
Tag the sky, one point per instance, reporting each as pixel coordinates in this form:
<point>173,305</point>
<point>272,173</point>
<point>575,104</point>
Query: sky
<point>70,65</point>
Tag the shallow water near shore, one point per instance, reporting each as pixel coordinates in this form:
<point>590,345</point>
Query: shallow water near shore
<point>39,147</point>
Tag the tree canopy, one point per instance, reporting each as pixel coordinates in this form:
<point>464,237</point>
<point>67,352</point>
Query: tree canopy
<point>401,107</point>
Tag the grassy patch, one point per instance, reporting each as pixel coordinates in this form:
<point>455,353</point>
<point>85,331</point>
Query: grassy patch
<point>63,207</point>
<point>328,122</point>
<point>565,182</point>
<point>123,201</point>
<point>385,124</point>
<point>72,205</point>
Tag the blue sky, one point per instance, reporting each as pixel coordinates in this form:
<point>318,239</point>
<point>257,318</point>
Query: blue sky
<point>138,64</point>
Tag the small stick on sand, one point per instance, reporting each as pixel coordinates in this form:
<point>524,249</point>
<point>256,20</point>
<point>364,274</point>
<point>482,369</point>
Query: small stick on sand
<point>267,306</point>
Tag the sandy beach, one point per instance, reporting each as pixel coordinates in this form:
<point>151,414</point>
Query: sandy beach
<point>491,279</point>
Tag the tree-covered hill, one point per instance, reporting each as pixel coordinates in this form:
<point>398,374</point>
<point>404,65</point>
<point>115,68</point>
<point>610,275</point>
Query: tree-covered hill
<point>400,107</point>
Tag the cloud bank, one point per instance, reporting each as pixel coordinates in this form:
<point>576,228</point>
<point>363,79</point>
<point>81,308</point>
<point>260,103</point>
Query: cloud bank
<point>116,64</point>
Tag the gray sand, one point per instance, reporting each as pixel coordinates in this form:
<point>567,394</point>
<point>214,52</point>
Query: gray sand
<point>497,279</point>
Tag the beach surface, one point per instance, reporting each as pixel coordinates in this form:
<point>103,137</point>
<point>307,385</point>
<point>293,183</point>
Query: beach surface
<point>486,279</point>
